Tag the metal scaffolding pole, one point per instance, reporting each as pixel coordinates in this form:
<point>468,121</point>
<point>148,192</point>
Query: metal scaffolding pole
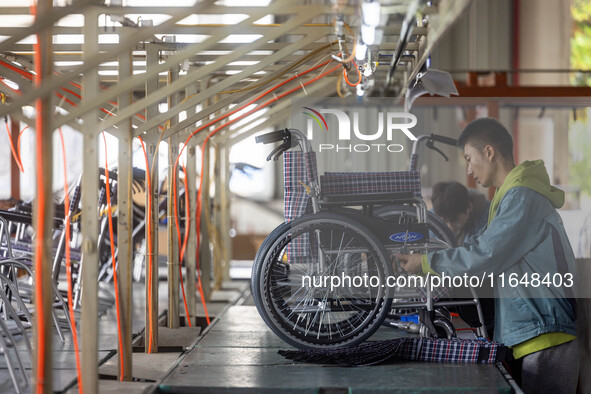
<point>90,222</point>
<point>205,260</point>
<point>191,252</point>
<point>218,257</point>
<point>151,321</point>
<point>124,225</point>
<point>43,212</point>
<point>225,210</point>
<point>173,243</point>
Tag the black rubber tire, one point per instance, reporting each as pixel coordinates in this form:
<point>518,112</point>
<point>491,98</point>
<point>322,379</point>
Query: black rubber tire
<point>260,256</point>
<point>274,278</point>
<point>436,224</point>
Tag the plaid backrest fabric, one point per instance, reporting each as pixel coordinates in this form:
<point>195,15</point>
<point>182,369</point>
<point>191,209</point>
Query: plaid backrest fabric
<point>338,183</point>
<point>298,173</point>
<point>299,169</point>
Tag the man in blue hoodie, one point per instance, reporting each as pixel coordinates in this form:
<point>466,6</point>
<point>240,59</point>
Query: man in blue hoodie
<point>524,239</point>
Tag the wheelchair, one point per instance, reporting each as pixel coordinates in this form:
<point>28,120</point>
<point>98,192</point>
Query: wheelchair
<point>325,277</point>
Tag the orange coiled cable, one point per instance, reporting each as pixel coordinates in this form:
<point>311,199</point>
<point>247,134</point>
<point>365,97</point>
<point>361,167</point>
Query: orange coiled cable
<point>347,77</point>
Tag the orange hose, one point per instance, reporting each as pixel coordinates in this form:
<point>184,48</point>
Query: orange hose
<point>112,239</point>
<point>14,154</point>
<point>69,266</point>
<point>347,77</point>
<point>149,242</point>
<point>18,142</point>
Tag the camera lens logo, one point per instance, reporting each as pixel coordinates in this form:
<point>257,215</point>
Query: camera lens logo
<point>317,117</point>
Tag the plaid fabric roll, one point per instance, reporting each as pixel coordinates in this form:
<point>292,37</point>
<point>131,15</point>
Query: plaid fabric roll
<point>337,183</point>
<point>407,349</point>
<point>449,350</point>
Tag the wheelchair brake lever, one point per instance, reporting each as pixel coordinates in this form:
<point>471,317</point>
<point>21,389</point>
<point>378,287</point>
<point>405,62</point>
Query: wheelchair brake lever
<point>430,145</point>
<point>278,151</point>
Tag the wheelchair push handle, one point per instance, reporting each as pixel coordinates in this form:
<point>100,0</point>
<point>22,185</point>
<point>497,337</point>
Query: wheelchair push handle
<point>440,138</point>
<point>290,137</point>
<point>444,139</point>
<point>273,136</point>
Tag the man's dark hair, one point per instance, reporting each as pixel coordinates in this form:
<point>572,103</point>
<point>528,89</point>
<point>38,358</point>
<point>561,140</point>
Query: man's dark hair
<point>488,131</point>
<point>450,199</point>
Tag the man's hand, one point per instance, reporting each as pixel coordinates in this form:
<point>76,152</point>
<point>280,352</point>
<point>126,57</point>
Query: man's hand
<point>411,263</point>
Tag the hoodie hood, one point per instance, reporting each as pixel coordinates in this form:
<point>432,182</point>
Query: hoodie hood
<point>530,174</point>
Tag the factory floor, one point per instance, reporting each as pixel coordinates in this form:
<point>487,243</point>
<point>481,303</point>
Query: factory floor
<point>237,353</point>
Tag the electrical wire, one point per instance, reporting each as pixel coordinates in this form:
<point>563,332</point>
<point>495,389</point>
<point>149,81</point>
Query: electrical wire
<point>149,246</point>
<point>347,77</point>
<point>14,154</point>
<point>18,142</point>
<point>69,265</point>
<point>112,239</point>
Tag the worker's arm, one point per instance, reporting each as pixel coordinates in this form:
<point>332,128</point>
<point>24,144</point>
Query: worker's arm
<point>510,236</point>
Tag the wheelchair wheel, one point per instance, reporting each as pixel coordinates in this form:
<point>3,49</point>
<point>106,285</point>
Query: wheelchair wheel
<point>436,225</point>
<point>303,308</point>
